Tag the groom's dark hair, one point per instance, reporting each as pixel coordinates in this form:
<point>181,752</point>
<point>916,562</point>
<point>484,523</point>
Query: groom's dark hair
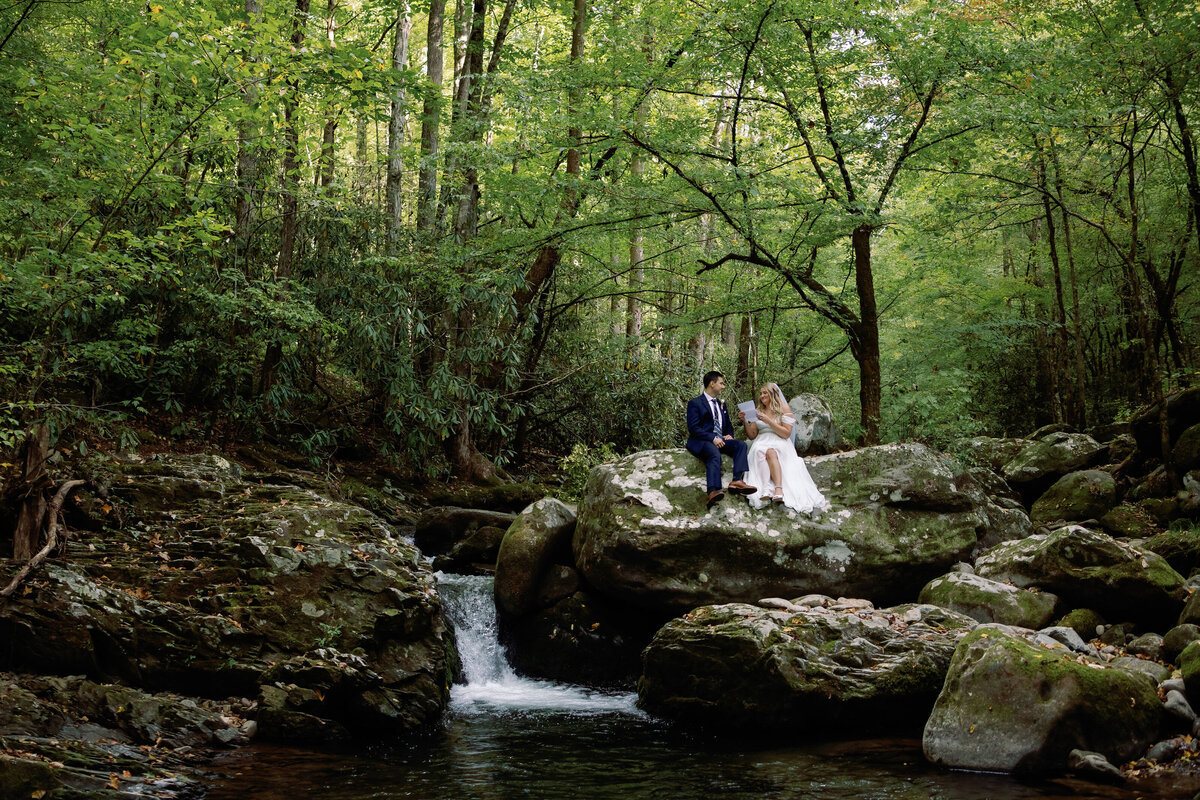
<point>709,377</point>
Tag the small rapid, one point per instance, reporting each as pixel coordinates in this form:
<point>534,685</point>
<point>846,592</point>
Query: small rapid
<point>490,683</point>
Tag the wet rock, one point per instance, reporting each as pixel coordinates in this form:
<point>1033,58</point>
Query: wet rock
<point>72,733</point>
<point>1075,497</point>
<point>738,666</point>
<point>1087,569</point>
<point>204,591</point>
<point>1094,766</point>
<point>538,538</point>
<point>901,514</point>
<point>1010,705</point>
<point>442,528</point>
<point>989,601</point>
<point>582,639</point>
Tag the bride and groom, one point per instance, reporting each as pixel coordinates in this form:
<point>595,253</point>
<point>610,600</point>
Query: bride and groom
<point>776,473</point>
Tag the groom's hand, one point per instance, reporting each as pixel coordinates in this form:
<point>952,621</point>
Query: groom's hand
<point>718,441</point>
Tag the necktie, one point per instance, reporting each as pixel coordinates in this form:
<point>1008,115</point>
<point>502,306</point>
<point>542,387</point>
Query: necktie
<point>716,412</point>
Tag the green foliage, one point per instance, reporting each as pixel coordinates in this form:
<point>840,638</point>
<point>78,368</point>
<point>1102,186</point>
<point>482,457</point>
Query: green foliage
<point>576,466</point>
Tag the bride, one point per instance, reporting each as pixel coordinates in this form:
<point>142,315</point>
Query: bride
<point>775,469</point>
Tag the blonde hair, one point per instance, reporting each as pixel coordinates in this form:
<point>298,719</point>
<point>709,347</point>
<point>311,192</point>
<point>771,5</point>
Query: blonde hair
<point>776,402</point>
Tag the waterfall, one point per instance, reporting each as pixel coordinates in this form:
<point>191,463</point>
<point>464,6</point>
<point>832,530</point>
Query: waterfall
<point>490,681</point>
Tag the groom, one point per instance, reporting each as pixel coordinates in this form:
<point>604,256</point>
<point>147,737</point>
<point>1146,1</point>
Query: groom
<point>710,434</point>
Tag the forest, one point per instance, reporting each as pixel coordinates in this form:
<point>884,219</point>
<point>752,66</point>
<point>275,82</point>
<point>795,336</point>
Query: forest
<point>478,236</point>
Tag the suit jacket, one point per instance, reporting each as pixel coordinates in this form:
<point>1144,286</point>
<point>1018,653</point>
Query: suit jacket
<point>700,420</point>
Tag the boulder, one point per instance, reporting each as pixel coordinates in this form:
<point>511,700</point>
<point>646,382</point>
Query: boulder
<point>1088,569</point>
<point>538,538</point>
<point>1076,496</point>
<point>988,451</point>
<point>990,601</point>
<point>579,638</point>
<point>1041,463</point>
<point>1004,523</point>
<point>901,515</point>
<point>441,528</point>
<point>816,433</point>
<point>213,581</point>
<point>75,734</point>
<point>748,667</point>
<point>1084,621</point>
<point>1180,546</point>
<point>1131,522</point>
<point>1189,668</point>
<point>1177,639</point>
<point>474,554</point>
<point>1010,705</point>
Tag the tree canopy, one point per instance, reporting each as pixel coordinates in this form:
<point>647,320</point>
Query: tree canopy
<point>470,235</point>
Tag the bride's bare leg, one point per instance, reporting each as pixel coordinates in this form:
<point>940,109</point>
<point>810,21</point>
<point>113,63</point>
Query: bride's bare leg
<point>773,467</point>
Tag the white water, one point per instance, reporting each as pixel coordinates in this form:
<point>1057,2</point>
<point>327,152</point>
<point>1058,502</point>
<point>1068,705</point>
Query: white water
<point>491,684</point>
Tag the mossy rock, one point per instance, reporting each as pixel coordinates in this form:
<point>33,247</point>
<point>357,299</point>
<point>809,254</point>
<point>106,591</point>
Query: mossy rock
<point>1088,494</point>
<point>1089,569</point>
<point>753,668</point>
<point>507,497</point>
<point>1130,521</point>
<point>1011,705</point>
<point>1180,546</point>
<point>989,601</point>
<point>1083,621</point>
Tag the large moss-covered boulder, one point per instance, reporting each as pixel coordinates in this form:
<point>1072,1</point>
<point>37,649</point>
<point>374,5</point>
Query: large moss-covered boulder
<point>785,666</point>
<point>1040,463</point>
<point>1088,569</point>
<point>1012,705</point>
<point>990,601</point>
<point>213,579</point>
<point>1087,494</point>
<point>901,514</point>
<point>816,432</point>
<point>539,537</point>
<point>1186,452</point>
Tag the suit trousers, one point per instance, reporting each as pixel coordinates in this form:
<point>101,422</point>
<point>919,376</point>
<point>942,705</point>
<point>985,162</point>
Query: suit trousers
<point>710,454</point>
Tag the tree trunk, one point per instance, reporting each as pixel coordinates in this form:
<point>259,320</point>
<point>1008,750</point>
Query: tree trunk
<point>247,157</point>
<point>742,376</point>
<point>397,124</point>
<point>431,119</point>
<point>289,194</point>
<point>866,351</point>
<point>32,489</point>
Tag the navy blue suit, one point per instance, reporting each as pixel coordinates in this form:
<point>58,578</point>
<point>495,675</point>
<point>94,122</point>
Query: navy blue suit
<point>702,429</point>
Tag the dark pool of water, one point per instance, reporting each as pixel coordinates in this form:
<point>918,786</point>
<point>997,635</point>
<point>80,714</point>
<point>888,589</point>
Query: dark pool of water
<point>498,754</point>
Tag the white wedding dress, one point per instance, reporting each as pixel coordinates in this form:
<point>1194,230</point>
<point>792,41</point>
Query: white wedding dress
<point>799,491</point>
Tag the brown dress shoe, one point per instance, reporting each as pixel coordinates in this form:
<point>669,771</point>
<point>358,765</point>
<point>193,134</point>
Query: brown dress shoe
<point>714,497</point>
<point>741,487</point>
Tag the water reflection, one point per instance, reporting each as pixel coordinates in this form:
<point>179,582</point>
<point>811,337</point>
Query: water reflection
<point>507,737</point>
<point>616,756</point>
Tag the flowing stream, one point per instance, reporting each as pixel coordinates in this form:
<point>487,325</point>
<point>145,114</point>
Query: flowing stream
<point>507,737</point>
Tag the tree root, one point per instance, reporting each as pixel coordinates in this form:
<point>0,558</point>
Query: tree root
<point>54,516</point>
